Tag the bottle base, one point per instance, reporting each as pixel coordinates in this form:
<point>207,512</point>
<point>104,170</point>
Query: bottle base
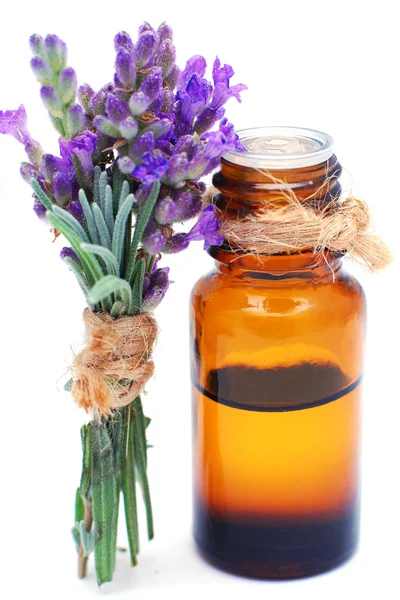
<point>271,571</point>
<point>266,549</point>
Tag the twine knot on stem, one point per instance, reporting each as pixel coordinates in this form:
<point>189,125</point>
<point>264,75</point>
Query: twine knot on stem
<point>115,364</point>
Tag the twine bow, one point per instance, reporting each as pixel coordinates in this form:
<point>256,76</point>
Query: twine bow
<point>115,364</point>
<point>340,227</point>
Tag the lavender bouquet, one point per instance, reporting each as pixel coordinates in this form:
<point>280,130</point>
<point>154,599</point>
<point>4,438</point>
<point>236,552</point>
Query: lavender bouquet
<point>131,157</point>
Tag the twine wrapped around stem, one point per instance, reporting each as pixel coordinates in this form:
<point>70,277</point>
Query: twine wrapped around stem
<point>115,364</point>
<point>343,227</point>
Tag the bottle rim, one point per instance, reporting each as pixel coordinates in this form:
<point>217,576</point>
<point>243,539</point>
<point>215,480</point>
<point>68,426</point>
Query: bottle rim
<point>281,147</point>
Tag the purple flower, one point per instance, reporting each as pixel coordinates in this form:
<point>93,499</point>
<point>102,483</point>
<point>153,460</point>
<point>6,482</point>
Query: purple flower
<point>51,101</point>
<point>165,211</point>
<point>129,128</point>
<point>143,144</point>
<point>76,210</point>
<point>196,64</point>
<point>155,286</point>
<point>125,68</point>
<point>153,239</point>
<point>14,122</point>
<point>148,91</point>
<point>56,52</point>
<point>206,228</point>
<point>160,128</point>
<point>83,147</point>
<point>166,57</point>
<point>145,48</point>
<point>41,70</point>
<point>67,252</point>
<point>153,166</point>
<point>85,95</point>
<point>36,43</point>
<point>67,85</point>
<point>62,188</point>
<point>123,40</point>
<point>117,110</point>
<point>177,170</point>
<point>164,32</point>
<point>39,209</point>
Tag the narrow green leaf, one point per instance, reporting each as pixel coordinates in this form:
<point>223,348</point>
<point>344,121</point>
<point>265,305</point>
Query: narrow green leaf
<point>87,538</point>
<point>102,190</point>
<point>106,255</point>
<point>102,229</point>
<point>118,180</point>
<point>124,193</point>
<point>90,265</point>
<point>107,285</point>
<point>78,272</point>
<point>86,477</point>
<point>137,289</point>
<point>44,199</point>
<point>105,501</point>
<point>117,309</point>
<point>140,226</point>
<point>90,222</point>
<point>129,492</point>
<point>109,210</point>
<point>96,190</point>
<point>141,465</point>
<point>71,222</point>
<point>119,227</point>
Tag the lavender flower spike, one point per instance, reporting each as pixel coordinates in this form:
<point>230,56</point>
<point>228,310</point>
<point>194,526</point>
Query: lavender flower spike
<point>155,287</point>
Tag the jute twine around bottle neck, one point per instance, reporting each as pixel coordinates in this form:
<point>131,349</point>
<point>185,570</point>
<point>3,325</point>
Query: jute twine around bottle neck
<point>115,364</point>
<point>342,227</point>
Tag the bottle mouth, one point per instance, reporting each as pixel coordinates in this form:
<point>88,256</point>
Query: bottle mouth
<point>281,148</point>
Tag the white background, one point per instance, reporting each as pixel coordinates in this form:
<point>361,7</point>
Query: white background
<point>333,66</point>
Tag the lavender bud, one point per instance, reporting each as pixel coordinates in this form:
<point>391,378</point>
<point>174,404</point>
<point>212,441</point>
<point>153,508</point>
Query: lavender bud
<point>145,48</point>
<point>164,32</point>
<point>160,127</point>
<point>39,209</point>
<point>129,128</point>
<point>125,68</point>
<point>36,44</point>
<point>85,95</point>
<point>51,101</point>
<point>99,100</point>
<point>165,211</point>
<point>61,189</point>
<point>197,167</point>
<point>126,165</point>
<point>153,239</point>
<point>167,100</point>
<point>138,103</point>
<point>117,110</point>
<point>146,27</point>
<point>56,52</point>
<point>155,286</point>
<point>75,120</point>
<point>28,171</point>
<point>105,126</point>
<point>177,169</point>
<point>41,70</point>
<point>67,252</point>
<point>173,77</point>
<point>76,210</point>
<point>144,143</point>
<point>166,57</point>
<point>123,40</point>
<point>67,85</point>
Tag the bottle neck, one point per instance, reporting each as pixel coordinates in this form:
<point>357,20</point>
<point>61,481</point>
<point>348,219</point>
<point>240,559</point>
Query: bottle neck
<point>246,192</point>
<point>284,268</point>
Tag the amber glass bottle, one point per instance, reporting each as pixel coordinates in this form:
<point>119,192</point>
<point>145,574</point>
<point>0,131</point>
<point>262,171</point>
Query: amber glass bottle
<point>277,345</point>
